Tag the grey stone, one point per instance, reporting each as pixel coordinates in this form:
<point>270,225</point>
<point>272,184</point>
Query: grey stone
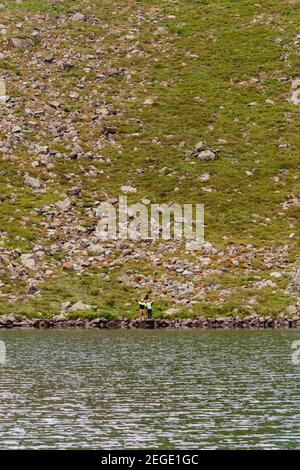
<point>206,155</point>
<point>19,43</point>
<point>79,306</point>
<point>29,261</point>
<point>172,311</point>
<point>32,183</point>
<point>78,17</point>
<point>295,282</point>
<point>63,205</point>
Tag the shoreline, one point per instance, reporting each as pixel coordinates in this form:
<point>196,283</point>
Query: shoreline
<point>154,324</point>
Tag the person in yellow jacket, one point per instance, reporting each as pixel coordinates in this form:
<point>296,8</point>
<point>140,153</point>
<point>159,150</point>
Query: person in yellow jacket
<point>142,306</point>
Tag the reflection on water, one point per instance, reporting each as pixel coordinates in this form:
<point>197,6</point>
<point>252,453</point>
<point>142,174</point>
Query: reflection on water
<point>149,389</point>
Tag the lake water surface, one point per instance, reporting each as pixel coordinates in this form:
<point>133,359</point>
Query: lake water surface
<point>149,389</point>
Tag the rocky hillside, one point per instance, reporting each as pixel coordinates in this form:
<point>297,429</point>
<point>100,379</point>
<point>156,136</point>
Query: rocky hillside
<point>111,97</point>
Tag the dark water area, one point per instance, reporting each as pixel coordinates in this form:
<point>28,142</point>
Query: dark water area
<point>130,389</point>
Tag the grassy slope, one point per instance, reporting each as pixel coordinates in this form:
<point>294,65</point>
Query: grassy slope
<point>204,62</point>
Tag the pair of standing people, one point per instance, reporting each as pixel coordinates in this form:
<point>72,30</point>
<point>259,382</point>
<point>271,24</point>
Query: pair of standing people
<point>145,305</point>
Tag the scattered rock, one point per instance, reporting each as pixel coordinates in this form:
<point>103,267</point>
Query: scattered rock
<point>68,266</point>
<point>276,274</point>
<point>78,17</point>
<point>60,317</point>
<point>63,205</point>
<point>263,284</point>
<point>21,43</point>
<point>29,261</point>
<point>203,153</point>
<point>60,321</point>
<point>148,102</point>
<point>200,146</point>
<point>128,189</point>
<point>172,311</point>
<point>32,289</point>
<point>206,155</point>
<point>295,99</point>
<point>74,191</point>
<point>32,183</point>
<point>292,201</point>
<point>79,306</point>
<point>204,177</point>
<point>295,282</point>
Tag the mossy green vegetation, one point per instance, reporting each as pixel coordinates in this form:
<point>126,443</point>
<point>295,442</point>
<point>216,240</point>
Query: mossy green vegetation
<point>218,71</point>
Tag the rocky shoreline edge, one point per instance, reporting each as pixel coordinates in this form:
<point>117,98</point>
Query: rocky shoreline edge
<point>200,323</point>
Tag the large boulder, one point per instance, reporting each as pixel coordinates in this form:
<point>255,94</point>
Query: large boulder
<point>19,43</point>
<point>63,205</point>
<point>206,155</point>
<point>32,183</point>
<point>29,261</point>
<point>79,306</point>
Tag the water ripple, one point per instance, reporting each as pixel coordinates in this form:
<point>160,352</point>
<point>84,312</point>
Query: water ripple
<point>149,389</point>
